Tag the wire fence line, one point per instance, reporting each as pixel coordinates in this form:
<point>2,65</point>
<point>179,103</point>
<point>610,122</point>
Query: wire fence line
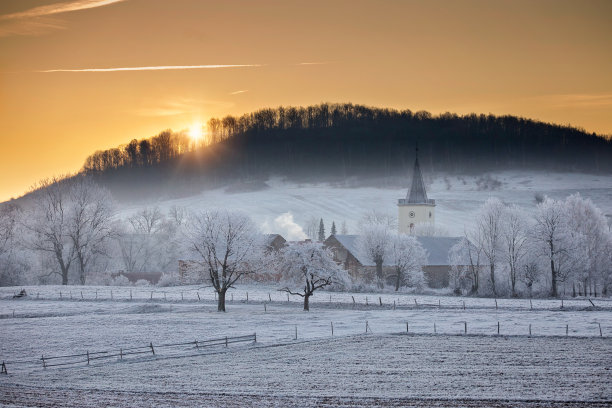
<point>357,301</point>
<point>88,357</point>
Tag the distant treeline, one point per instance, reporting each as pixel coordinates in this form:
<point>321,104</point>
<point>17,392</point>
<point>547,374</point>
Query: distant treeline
<point>342,141</point>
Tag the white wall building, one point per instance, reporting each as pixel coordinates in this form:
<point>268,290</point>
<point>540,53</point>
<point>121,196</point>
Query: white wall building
<point>416,209</point>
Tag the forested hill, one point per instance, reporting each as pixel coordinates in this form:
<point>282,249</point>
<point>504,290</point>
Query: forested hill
<point>342,142</point>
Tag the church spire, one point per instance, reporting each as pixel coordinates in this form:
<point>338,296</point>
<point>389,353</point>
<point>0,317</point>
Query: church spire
<point>417,194</point>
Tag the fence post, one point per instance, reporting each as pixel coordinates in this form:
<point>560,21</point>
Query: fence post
<point>198,296</point>
<point>465,327</point>
<point>37,294</point>
<point>87,357</point>
<point>287,298</point>
<point>3,371</point>
<point>255,337</point>
<point>152,349</point>
<point>43,360</point>
<point>130,294</point>
<point>600,333</point>
<point>120,354</point>
<point>561,303</point>
<point>380,300</point>
<point>332,328</point>
<point>497,327</point>
<point>111,295</point>
<point>196,344</point>
<point>60,294</point>
<point>151,295</point>
<point>270,297</point>
<point>394,305</point>
<point>439,304</point>
<point>406,327</point>
<point>265,308</point>
<point>366,300</point>
<point>435,328</point>
<point>415,303</point>
<point>295,332</point>
<point>495,304</point>
<point>353,297</point>
<point>566,330</point>
<point>530,330</point>
<point>182,298</point>
<point>96,294</point>
<point>226,341</point>
<point>530,305</point>
<point>247,294</point>
<point>367,327</point>
<point>464,305</point>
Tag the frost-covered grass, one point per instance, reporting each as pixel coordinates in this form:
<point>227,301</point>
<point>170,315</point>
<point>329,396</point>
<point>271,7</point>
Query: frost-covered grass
<point>350,368</point>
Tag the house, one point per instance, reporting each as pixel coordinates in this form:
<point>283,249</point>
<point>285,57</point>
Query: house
<point>360,267</point>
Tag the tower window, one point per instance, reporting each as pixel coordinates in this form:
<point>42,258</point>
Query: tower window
<point>430,214</point>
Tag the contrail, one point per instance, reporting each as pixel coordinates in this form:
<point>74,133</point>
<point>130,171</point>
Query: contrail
<point>153,68</point>
<point>238,92</point>
<point>59,8</point>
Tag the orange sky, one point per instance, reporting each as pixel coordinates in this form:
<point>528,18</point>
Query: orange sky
<point>548,60</point>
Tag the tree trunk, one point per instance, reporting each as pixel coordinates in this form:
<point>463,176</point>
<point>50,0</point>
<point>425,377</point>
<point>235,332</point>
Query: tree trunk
<point>65,277</point>
<point>221,300</point>
<point>492,266</point>
<point>306,305</point>
<point>513,281</point>
<point>398,279</point>
<point>379,274</point>
<point>553,291</point>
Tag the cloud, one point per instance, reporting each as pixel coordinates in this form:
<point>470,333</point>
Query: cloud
<point>238,92</point>
<point>285,226</point>
<point>179,106</point>
<point>36,21</point>
<point>314,63</point>
<point>57,8</point>
<point>579,100</point>
<point>151,68</point>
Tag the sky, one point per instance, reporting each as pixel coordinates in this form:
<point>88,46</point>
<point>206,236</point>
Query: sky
<point>78,76</point>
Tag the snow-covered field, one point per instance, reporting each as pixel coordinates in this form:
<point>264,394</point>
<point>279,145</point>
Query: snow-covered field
<point>457,198</point>
<point>384,367</point>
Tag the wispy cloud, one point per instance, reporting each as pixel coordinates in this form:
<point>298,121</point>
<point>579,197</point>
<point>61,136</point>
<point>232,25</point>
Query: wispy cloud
<point>314,63</point>
<point>178,106</point>
<point>36,21</point>
<point>57,8</point>
<point>239,92</point>
<point>579,100</point>
<point>151,68</point>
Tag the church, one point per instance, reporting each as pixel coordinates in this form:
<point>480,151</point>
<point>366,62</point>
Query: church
<point>416,213</point>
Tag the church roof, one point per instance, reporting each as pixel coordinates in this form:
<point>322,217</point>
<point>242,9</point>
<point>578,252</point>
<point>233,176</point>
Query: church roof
<point>437,249</point>
<point>417,194</point>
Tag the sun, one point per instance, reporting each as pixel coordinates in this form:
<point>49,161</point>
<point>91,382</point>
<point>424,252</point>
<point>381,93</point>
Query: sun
<point>195,132</point>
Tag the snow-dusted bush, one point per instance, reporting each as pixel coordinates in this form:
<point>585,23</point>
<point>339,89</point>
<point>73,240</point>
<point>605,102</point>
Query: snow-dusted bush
<point>169,279</point>
<point>142,282</point>
<point>121,280</point>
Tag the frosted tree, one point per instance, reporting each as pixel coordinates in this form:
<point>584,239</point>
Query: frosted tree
<point>489,225</point>
<point>312,228</point>
<point>309,266</point>
<point>408,256</point>
<point>228,246</point>
<point>550,233</point>
<point>343,228</point>
<point>467,257</point>
<point>458,261</point>
<point>89,222</point>
<point>48,225</point>
<point>321,234</point>
<point>589,230</point>
<point>9,223</point>
<point>333,229</point>
<point>374,243</point>
<point>514,239</point>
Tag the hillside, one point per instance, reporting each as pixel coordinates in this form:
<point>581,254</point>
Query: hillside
<point>343,143</point>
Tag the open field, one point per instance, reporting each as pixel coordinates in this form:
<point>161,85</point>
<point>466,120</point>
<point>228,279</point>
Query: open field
<point>385,367</point>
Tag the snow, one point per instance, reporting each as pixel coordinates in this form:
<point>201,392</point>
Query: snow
<point>351,368</point>
<point>458,199</point>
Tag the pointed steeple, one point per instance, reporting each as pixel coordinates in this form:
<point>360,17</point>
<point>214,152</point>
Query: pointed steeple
<point>417,194</point>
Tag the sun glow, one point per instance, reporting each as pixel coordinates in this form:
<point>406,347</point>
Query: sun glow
<point>195,132</point>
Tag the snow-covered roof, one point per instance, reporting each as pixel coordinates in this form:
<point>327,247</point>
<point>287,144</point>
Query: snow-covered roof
<point>437,249</point>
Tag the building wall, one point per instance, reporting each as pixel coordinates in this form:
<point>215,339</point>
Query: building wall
<point>422,214</point>
<point>437,276</point>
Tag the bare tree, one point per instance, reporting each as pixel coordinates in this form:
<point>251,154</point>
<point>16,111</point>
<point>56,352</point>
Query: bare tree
<point>309,264</point>
<point>48,224</point>
<point>408,257</point>
<point>312,228</point>
<point>373,242</point>
<point>89,222</point>
<point>489,224</point>
<point>550,232</point>
<point>148,221</point>
<point>228,246</point>
<point>514,236</point>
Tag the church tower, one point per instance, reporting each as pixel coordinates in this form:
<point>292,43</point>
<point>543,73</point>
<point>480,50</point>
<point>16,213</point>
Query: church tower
<point>416,208</point>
